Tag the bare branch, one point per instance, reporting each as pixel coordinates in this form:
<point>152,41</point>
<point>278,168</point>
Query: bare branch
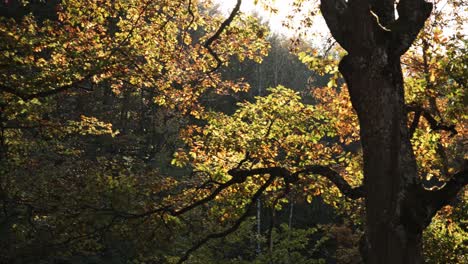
<point>245,159</point>
<point>192,15</point>
<point>238,176</point>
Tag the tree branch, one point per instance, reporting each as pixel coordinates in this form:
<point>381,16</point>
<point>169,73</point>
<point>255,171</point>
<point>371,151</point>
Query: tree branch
<point>273,171</point>
<point>216,35</point>
<point>234,227</point>
<point>415,123</point>
<point>335,177</point>
<point>447,194</point>
<point>431,120</point>
<point>412,15</point>
<point>353,25</point>
<point>27,97</point>
<point>333,11</point>
<point>239,176</point>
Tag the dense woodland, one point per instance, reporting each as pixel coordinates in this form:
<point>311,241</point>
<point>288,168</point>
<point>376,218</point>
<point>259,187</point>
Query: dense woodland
<point>139,131</point>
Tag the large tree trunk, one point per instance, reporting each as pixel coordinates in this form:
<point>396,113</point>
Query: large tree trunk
<point>397,206</point>
<point>376,89</point>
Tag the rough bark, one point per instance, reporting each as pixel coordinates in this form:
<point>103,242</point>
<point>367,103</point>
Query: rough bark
<point>389,165</point>
<point>397,207</point>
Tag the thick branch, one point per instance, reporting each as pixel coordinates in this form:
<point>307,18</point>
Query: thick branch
<point>431,120</point>
<point>273,171</point>
<point>448,193</point>
<point>353,25</point>
<point>412,15</point>
<point>234,227</point>
<point>333,11</point>
<point>237,177</point>
<point>335,177</point>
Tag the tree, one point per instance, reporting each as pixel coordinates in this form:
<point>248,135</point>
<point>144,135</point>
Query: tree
<point>397,203</point>
<point>92,95</point>
<point>72,183</point>
<point>398,207</point>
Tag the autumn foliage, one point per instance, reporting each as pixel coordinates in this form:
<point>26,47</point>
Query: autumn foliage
<point>113,148</point>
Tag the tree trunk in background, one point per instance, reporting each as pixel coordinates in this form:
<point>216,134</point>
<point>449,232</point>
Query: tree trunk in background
<point>291,208</point>
<point>259,225</point>
<point>291,213</point>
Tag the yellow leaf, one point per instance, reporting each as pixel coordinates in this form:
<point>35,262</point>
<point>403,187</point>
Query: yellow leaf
<point>432,77</point>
